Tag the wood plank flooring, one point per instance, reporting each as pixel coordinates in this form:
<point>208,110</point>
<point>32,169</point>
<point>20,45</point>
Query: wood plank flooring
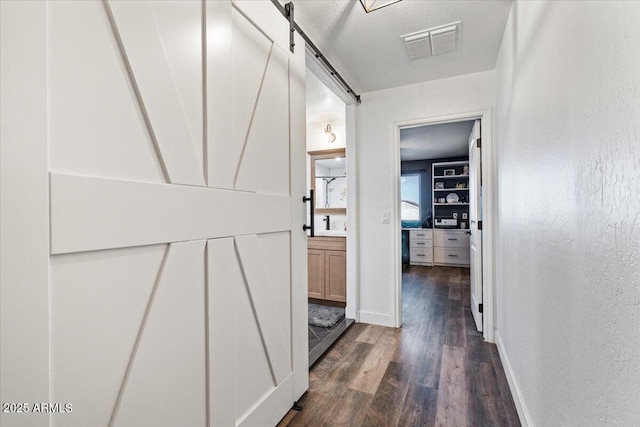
<point>434,371</point>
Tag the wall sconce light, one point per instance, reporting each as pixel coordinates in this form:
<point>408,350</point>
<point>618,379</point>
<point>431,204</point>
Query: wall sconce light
<point>331,135</point>
<point>371,5</point>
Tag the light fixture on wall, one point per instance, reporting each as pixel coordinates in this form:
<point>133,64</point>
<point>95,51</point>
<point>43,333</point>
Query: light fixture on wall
<point>371,5</point>
<point>331,135</point>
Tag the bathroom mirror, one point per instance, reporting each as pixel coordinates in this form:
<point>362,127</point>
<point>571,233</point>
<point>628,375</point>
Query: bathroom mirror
<point>329,180</point>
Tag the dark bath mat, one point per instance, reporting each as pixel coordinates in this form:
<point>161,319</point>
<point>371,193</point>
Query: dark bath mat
<point>324,316</point>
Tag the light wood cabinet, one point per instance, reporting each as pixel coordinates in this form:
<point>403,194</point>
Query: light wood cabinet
<point>335,275</point>
<point>316,273</point>
<point>327,268</point>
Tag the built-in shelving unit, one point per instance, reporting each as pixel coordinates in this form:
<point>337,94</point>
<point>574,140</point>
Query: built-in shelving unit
<point>450,177</point>
<point>451,240</point>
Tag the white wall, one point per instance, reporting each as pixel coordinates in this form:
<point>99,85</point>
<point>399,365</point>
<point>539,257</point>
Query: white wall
<point>318,140</point>
<point>375,129</point>
<point>568,137</point>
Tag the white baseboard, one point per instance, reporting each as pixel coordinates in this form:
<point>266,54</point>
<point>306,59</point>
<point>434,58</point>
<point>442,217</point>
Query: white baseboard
<point>521,407</point>
<point>377,319</point>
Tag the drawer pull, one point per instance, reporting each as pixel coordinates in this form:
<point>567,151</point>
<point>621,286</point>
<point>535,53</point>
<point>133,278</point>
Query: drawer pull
<point>418,243</point>
<point>453,255</point>
<point>451,238</point>
<point>420,255</point>
<point>420,235</point>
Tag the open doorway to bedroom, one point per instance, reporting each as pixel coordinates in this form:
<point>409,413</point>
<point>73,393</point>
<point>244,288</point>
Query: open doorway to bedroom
<point>440,219</point>
<point>434,212</point>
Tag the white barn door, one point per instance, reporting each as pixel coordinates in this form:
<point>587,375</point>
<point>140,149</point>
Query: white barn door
<point>176,268</point>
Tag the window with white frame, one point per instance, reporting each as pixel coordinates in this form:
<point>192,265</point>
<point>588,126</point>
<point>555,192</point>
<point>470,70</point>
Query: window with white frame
<point>410,197</point>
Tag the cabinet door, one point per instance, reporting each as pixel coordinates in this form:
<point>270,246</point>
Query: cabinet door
<point>316,273</point>
<point>336,275</point>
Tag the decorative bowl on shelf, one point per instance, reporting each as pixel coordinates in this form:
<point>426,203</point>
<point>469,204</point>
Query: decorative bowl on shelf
<point>452,198</point>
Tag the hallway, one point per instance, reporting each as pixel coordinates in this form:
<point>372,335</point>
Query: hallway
<point>435,370</point>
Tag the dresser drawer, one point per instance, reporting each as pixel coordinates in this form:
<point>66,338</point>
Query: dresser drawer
<point>421,234</point>
<point>451,239</point>
<point>421,256</point>
<point>451,256</point>
<point>420,244</point>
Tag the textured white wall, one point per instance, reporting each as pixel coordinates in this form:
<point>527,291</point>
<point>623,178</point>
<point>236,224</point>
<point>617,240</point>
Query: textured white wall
<point>375,129</point>
<point>568,138</point>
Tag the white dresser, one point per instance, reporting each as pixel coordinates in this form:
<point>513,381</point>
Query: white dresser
<point>451,247</point>
<point>421,247</point>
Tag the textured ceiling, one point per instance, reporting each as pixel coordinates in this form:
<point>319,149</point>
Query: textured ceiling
<point>367,50</point>
<point>435,141</point>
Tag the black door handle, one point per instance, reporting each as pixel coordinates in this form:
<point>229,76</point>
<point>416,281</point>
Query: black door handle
<point>311,227</point>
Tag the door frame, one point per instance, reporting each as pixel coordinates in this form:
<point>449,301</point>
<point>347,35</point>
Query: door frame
<point>489,209</point>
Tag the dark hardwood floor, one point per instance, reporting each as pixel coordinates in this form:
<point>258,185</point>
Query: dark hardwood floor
<point>435,370</point>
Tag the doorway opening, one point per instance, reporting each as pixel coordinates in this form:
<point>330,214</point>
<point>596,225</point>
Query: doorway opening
<point>444,208</point>
<point>329,302</point>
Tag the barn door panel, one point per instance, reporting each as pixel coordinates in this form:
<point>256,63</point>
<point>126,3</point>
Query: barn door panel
<point>92,342</point>
<point>97,126</point>
<point>261,110</point>
<point>175,243</point>
<point>171,213</point>
<point>138,33</point>
<point>165,384</point>
<point>250,338</point>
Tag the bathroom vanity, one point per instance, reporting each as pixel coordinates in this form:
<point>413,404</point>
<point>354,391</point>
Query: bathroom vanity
<point>328,268</point>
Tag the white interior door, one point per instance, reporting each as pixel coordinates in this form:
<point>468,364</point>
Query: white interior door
<point>177,262</point>
<point>475,217</point>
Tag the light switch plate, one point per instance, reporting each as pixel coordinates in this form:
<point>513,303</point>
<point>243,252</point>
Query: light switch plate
<point>386,217</point>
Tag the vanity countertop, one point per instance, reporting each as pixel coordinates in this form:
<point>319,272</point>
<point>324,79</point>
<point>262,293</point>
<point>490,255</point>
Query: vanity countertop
<point>331,233</point>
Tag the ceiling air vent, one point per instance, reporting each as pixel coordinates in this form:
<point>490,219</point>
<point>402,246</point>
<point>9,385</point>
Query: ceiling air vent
<point>418,45</point>
<point>443,40</point>
<point>433,41</point>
